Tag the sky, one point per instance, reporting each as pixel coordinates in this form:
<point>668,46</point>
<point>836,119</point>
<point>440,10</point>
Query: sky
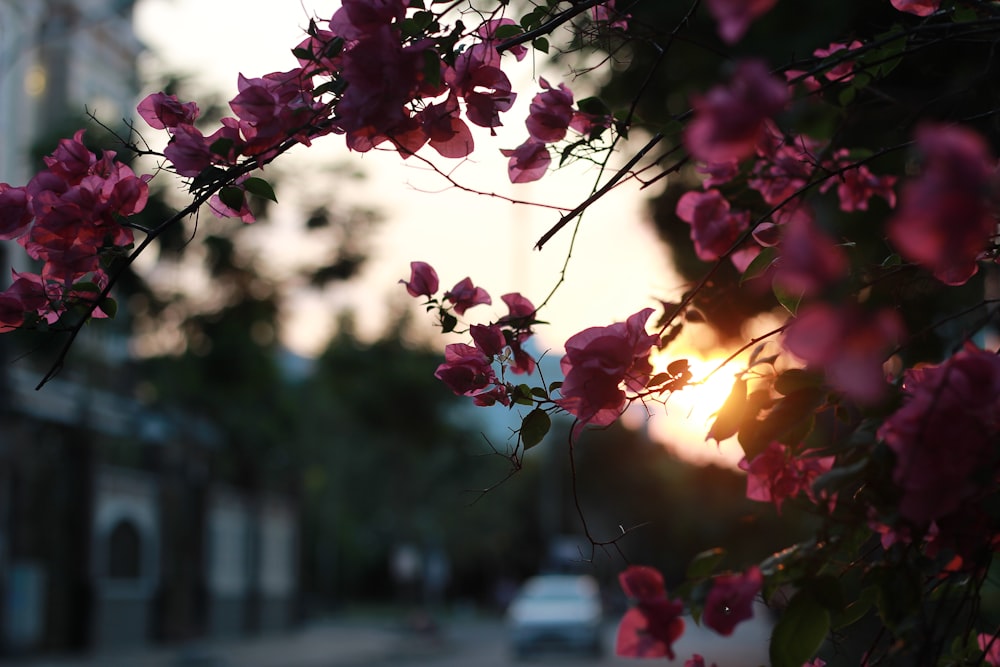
<point>618,266</point>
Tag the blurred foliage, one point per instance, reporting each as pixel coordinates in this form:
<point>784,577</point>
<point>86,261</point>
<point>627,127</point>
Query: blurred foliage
<point>656,75</point>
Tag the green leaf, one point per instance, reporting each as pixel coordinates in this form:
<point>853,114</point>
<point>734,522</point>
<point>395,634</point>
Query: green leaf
<point>788,300</point>
<point>221,146</point>
<point>232,197</point>
<point>261,188</point>
<point>553,386</point>
<point>448,322</point>
<point>704,564</point>
<point>302,54</point>
<point>109,306</point>
<point>795,379</point>
<point>86,286</point>
<point>594,106</point>
<point>541,44</point>
<point>854,611</point>
<point>759,265</point>
<point>508,31</point>
<point>522,395</point>
<point>534,427</point>
<point>731,414</point>
<point>800,631</point>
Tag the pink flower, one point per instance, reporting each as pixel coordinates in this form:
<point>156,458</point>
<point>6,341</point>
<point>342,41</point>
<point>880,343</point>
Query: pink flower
<point>848,344</point>
<point>730,120</point>
<point>447,133</point>
<point>649,629</point>
<point>550,113</point>
<point>188,150</point>
<point>990,645</point>
<point>15,215</point>
<point>944,220</point>
<point>730,601</point>
<point>735,16</point>
<point>423,280</point>
<point>714,228</point>
<point>857,185</point>
<point>843,71</point>
<point>808,260</point>
<point>528,162</point>
<point>944,432</point>
<point>775,475</point>
<point>917,7</point>
<point>489,339</point>
<point>598,361</point>
<point>696,660</point>
<point>162,111</point>
<point>465,295</point>
<point>520,316</point>
<point>466,370</point>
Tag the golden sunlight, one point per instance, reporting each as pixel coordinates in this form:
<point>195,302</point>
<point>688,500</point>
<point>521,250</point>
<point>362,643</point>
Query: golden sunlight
<point>682,423</point>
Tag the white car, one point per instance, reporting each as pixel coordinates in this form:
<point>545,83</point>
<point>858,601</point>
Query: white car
<point>556,611</point>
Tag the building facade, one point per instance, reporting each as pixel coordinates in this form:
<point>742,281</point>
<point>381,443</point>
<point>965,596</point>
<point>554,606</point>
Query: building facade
<point>112,531</point>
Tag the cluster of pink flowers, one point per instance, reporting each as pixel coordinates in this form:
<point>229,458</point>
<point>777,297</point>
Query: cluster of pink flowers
<point>733,124</point>
<point>650,628</point>
<point>944,434</point>
<point>849,343</point>
<point>468,370</point>
<point>599,362</point>
<point>945,218</point>
<point>550,115</point>
<point>777,474</point>
<point>68,218</point>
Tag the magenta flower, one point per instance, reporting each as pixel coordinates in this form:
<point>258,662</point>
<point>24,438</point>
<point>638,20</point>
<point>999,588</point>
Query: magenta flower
<point>15,216</point>
<point>528,162</point>
<point>730,120</point>
<point>550,113</point>
<point>730,601</point>
<point>848,344</point>
<point>162,111</point>
<point>944,220</point>
<point>990,646</point>
<point>944,432</point>
<point>423,280</point>
<point>465,295</point>
<point>599,361</point>
<point>714,228</point>
<point>735,16</point>
<point>650,628</point>
<point>808,260</point>
<point>774,475</point>
<point>917,7</point>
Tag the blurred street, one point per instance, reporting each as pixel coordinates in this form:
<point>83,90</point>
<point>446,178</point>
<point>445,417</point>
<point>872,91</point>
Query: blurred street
<point>459,642</point>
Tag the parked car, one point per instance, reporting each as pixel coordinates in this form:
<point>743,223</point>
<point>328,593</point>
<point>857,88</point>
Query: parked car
<point>556,611</point>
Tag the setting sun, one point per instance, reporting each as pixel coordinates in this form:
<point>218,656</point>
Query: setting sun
<point>682,423</point>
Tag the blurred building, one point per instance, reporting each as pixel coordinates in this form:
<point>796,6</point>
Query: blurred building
<point>112,531</point>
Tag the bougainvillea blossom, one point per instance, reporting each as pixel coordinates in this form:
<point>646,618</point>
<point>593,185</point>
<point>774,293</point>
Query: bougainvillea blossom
<point>423,280</point>
<point>729,120</point>
<point>650,628</point>
<point>730,600</point>
<point>599,361</point>
<point>714,227</point>
<point>465,295</point>
<point>528,162</point>
<point>733,17</point>
<point>944,433</point>
<point>945,220</point>
<point>550,113</point>
<point>162,111</point>
<point>917,7</point>
<point>848,344</point>
<point>775,475</point>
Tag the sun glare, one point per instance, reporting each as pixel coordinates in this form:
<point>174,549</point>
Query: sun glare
<point>682,423</point>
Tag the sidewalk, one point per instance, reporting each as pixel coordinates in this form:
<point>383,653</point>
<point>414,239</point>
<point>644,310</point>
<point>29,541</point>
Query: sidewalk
<point>327,644</point>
